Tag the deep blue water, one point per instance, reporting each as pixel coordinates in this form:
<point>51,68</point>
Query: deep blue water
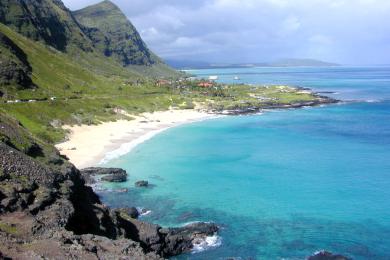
<point>283,184</point>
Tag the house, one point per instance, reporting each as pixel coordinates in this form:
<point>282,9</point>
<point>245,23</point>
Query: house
<point>163,82</point>
<point>205,84</point>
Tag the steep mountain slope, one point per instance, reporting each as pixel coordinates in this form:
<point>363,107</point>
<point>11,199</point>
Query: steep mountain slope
<point>45,55</point>
<point>113,35</point>
<point>15,70</point>
<point>105,44</point>
<point>44,20</point>
<point>83,94</point>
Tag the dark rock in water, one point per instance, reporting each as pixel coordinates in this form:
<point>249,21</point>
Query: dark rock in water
<point>131,212</point>
<point>142,184</point>
<point>115,178</point>
<point>168,241</point>
<point>182,239</point>
<point>325,255</point>
<point>113,174</point>
<point>186,216</point>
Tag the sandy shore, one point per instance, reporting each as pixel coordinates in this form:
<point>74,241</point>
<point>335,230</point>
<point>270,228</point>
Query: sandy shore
<point>90,145</point>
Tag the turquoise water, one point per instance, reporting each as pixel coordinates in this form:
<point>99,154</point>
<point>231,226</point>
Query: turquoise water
<point>283,184</point>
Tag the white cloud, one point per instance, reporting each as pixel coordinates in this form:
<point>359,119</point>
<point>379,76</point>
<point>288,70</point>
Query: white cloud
<point>260,30</point>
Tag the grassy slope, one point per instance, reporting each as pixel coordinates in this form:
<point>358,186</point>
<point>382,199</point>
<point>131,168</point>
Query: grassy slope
<point>45,20</point>
<point>87,97</point>
<point>56,74</point>
<point>104,21</point>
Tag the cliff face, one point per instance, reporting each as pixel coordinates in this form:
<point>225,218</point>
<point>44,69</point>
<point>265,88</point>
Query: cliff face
<point>47,211</point>
<point>113,34</point>
<point>102,28</point>
<point>48,21</point>
<point>14,67</point>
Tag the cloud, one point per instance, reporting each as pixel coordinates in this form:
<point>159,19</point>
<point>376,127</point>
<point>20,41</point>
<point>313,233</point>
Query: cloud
<point>346,31</point>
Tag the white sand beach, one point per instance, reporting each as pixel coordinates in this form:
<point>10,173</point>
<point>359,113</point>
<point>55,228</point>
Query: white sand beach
<point>89,145</point>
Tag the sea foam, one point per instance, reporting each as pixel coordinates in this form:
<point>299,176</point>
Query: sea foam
<point>125,148</point>
<point>206,243</point>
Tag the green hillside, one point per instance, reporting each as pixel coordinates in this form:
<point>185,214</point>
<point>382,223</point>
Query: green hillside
<point>15,70</point>
<point>63,69</point>
<point>48,21</point>
<point>90,40</point>
<point>114,35</point>
<point>54,72</point>
<point>81,94</point>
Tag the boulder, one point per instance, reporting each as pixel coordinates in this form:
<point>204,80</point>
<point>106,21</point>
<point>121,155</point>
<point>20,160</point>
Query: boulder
<point>325,255</point>
<point>110,174</point>
<point>131,212</point>
<point>145,233</point>
<point>182,239</point>
<point>142,184</point>
<point>115,177</point>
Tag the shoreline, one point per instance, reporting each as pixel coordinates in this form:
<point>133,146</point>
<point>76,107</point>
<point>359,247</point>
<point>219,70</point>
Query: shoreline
<point>92,145</point>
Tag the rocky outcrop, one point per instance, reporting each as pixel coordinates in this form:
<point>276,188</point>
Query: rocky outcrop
<point>47,211</point>
<point>48,21</point>
<point>14,66</point>
<point>113,34</point>
<point>166,241</point>
<point>143,184</point>
<point>131,212</point>
<point>109,174</point>
<point>250,109</point>
<point>325,255</point>
<point>184,238</point>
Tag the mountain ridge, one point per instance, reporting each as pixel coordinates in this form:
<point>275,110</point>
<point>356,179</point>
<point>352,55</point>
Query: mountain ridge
<point>180,64</point>
<point>48,21</point>
<point>114,35</point>
<point>105,44</point>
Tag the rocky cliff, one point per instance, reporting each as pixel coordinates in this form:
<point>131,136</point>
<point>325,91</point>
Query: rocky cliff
<point>48,21</point>
<point>114,35</point>
<point>47,211</point>
<point>15,70</point>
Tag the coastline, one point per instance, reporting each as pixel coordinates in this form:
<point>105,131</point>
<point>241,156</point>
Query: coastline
<point>91,145</point>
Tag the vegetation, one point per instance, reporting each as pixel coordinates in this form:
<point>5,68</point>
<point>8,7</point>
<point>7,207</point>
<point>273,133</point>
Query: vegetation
<point>106,33</point>
<point>15,69</point>
<point>47,21</point>
<point>8,228</point>
<point>113,35</point>
<point>94,72</point>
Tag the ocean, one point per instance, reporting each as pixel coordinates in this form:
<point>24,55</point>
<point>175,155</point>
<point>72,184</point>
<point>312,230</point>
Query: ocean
<point>282,184</point>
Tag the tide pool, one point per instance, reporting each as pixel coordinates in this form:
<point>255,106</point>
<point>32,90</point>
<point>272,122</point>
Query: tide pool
<point>283,184</point>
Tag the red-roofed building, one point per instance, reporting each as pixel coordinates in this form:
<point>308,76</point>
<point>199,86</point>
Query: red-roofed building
<point>205,84</point>
<point>163,82</point>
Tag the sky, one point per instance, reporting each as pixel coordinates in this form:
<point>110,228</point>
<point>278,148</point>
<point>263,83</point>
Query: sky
<point>352,32</point>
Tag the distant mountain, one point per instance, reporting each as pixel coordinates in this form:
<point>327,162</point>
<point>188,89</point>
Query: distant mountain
<point>181,64</point>
<point>301,63</point>
<point>113,35</point>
